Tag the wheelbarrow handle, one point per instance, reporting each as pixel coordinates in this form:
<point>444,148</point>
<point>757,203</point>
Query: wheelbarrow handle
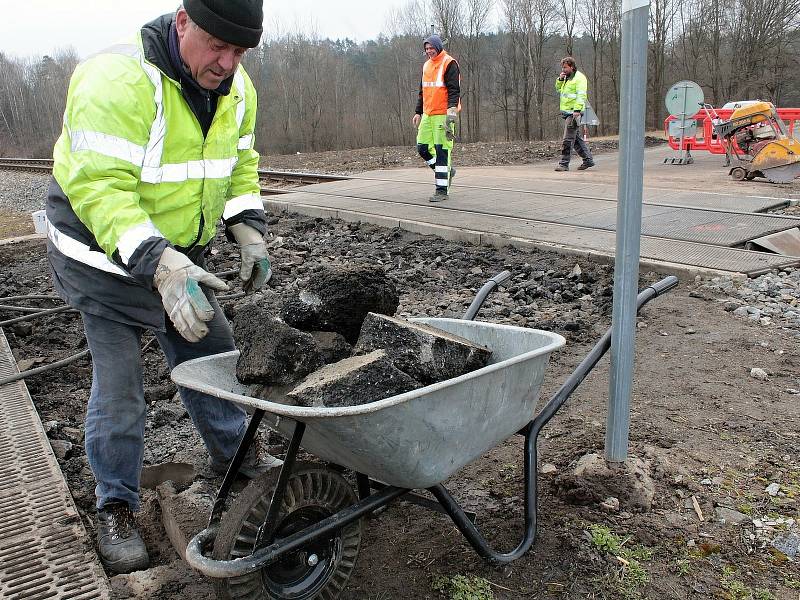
<point>487,289</point>
<point>595,354</point>
<point>659,288</point>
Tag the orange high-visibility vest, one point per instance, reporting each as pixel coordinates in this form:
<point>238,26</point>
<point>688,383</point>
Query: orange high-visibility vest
<point>434,91</point>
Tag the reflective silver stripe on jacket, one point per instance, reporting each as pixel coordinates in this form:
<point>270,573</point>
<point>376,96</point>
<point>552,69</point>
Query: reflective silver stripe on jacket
<point>215,168</point>
<point>133,237</point>
<point>149,158</point>
<point>81,252</point>
<point>237,205</point>
<point>108,145</point>
<point>245,141</point>
<point>439,77</point>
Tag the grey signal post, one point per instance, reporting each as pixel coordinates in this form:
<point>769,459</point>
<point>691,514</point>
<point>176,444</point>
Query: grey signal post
<point>635,14</point>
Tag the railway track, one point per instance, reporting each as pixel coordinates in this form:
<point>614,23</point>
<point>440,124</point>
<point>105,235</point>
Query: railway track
<point>288,178</point>
<point>27,164</point>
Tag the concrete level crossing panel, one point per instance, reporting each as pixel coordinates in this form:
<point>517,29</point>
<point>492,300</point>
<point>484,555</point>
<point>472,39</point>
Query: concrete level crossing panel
<point>689,224</point>
<point>746,201</point>
<point>445,216</point>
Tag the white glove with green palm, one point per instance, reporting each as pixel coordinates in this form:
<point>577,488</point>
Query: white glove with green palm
<point>178,281</point>
<point>255,269</point>
<point>450,123</point>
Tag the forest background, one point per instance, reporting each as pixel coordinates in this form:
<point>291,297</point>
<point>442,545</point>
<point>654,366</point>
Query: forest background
<point>320,94</point>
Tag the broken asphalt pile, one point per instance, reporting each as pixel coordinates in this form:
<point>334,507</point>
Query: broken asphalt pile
<point>338,307</point>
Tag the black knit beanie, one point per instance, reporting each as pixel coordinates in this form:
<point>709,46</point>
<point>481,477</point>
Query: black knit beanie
<point>237,22</point>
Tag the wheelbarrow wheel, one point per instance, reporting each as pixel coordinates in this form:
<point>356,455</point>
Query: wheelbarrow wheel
<point>319,570</point>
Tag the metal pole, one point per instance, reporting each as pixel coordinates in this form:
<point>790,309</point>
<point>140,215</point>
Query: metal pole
<point>681,160</point>
<point>629,224</point>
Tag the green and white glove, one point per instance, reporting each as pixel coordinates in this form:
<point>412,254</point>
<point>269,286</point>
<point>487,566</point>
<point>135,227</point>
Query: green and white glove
<point>450,123</point>
<point>178,281</point>
<point>255,269</point>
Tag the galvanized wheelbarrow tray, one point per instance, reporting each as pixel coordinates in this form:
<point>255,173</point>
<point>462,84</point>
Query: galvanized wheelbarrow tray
<point>295,533</point>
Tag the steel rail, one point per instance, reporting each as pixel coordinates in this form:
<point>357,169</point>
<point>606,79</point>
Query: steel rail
<point>46,164</point>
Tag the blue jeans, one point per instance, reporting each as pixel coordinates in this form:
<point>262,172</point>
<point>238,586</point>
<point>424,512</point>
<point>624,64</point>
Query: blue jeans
<point>115,416</point>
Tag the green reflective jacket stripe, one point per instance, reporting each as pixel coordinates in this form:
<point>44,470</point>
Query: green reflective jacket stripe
<point>134,163</point>
<point>573,92</point>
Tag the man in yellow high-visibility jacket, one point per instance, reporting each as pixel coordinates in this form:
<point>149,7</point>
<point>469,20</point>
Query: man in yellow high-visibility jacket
<point>156,149</point>
<point>572,87</point>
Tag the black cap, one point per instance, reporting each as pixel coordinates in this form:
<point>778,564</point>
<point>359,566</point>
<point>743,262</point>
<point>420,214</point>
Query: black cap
<point>237,22</point>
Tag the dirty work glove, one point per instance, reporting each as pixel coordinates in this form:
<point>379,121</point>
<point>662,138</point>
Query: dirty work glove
<point>576,117</point>
<point>255,269</point>
<point>452,115</point>
<point>450,122</point>
<point>178,281</point>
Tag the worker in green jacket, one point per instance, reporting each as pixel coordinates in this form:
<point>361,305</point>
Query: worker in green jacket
<point>156,149</point>
<point>572,88</point>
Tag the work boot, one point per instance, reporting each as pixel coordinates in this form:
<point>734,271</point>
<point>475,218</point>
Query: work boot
<point>438,196</point>
<point>585,165</point>
<point>561,168</point>
<point>252,466</point>
<point>119,544</point>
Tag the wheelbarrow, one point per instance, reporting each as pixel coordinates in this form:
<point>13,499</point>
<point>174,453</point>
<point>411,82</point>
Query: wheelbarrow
<point>295,532</point>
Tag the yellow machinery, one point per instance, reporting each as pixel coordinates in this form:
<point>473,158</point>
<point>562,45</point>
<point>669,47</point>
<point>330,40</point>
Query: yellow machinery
<point>758,145</point>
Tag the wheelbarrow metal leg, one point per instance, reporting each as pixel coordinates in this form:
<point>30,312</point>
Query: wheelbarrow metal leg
<point>467,527</point>
<point>362,481</point>
<point>233,468</point>
<point>265,533</point>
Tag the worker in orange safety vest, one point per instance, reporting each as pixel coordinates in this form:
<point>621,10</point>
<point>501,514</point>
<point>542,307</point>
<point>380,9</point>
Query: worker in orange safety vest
<point>437,110</point>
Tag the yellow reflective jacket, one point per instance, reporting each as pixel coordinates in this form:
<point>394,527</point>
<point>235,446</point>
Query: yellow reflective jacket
<point>134,163</point>
<point>573,92</point>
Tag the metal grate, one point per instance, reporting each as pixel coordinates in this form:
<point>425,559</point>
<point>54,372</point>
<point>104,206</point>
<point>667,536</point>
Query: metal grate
<point>44,548</point>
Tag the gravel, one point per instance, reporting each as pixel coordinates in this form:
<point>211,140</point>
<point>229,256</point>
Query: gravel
<point>771,298</point>
<point>23,191</point>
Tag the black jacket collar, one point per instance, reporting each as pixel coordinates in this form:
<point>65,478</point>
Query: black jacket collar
<point>160,42</point>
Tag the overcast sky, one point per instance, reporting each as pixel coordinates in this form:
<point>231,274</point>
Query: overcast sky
<point>38,27</point>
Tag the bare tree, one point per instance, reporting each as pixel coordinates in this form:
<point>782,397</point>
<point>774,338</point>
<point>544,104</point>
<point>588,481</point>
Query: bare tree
<point>321,94</point>
<point>475,25</point>
<point>448,17</point>
<point>662,13</point>
<point>568,11</point>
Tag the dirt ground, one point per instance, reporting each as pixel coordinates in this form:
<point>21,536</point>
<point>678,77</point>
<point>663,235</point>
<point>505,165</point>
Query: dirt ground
<point>711,435</point>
